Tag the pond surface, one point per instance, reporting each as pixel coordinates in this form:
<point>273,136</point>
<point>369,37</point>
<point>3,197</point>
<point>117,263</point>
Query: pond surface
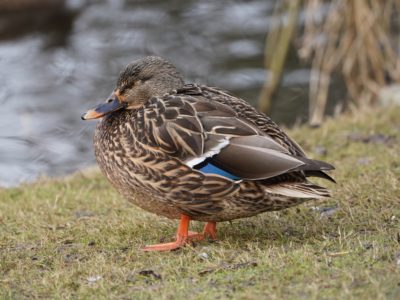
<point>56,63</point>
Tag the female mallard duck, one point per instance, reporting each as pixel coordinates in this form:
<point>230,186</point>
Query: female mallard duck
<point>195,152</point>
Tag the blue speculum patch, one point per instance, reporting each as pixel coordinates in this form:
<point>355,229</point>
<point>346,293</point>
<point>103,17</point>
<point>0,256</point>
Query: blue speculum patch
<point>209,168</point>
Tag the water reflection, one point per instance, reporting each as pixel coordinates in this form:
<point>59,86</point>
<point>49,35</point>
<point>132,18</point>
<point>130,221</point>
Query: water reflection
<point>55,63</point>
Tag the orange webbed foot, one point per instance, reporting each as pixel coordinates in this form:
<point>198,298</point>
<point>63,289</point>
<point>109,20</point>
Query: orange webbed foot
<point>163,247</point>
<point>184,236</point>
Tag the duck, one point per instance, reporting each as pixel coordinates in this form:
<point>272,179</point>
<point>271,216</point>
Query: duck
<point>188,151</point>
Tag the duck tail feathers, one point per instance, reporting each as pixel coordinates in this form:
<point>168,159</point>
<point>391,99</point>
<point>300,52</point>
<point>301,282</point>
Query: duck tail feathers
<point>298,190</point>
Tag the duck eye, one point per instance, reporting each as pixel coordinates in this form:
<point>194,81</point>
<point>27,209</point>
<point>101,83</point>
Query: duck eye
<point>123,88</point>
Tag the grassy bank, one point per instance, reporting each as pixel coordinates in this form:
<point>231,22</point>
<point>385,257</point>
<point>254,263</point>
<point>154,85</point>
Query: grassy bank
<point>77,238</point>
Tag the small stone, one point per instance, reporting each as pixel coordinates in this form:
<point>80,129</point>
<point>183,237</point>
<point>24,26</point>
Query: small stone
<point>83,214</point>
<point>203,256</point>
<point>325,211</point>
<point>363,161</point>
<point>93,279</point>
<point>329,211</point>
<point>320,150</point>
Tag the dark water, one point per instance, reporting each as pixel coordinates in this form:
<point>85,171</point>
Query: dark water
<point>57,62</point>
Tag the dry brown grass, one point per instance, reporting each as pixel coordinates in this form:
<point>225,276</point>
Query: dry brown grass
<point>350,38</point>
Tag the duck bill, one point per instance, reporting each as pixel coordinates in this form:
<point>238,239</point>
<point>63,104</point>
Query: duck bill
<point>103,109</point>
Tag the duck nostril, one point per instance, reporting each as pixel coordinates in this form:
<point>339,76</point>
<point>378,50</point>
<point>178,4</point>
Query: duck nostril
<point>110,100</point>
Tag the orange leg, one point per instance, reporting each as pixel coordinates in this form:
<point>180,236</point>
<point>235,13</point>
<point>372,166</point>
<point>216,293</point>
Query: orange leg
<point>184,236</point>
<point>210,229</point>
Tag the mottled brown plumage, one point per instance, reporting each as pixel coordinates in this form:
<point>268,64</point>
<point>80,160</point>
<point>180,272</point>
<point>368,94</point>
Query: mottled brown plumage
<point>158,133</point>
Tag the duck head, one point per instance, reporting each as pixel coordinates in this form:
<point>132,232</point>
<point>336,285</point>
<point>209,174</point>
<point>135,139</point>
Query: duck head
<point>142,79</point>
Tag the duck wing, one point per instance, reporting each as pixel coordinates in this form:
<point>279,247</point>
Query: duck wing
<point>261,121</point>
